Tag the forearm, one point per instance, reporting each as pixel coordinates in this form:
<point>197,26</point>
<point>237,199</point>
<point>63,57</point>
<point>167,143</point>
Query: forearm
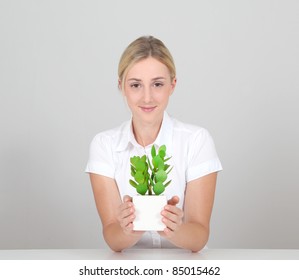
<point>117,239</point>
<point>191,236</point>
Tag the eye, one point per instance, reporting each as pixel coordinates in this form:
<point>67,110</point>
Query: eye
<point>135,85</point>
<point>158,84</point>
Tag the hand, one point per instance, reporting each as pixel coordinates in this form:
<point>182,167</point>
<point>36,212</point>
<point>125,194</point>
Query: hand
<point>172,217</point>
<point>126,216</point>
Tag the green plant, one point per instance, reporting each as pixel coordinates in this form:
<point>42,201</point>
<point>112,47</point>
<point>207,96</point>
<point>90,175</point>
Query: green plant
<point>149,176</point>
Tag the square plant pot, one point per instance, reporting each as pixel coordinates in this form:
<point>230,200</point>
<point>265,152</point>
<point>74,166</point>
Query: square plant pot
<point>148,212</point>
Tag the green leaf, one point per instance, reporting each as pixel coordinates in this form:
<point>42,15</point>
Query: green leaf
<point>146,177</point>
<point>162,148</point>
<point>158,162</point>
<point>161,176</point>
<point>153,151</point>
<point>134,160</point>
<point>162,151</point>
<point>167,159</point>
<point>133,183</point>
<point>139,177</point>
<point>162,154</point>
<point>133,169</point>
<point>167,183</point>
<point>166,166</point>
<point>159,188</point>
<point>140,166</point>
<point>143,158</point>
<point>169,170</point>
<point>142,189</point>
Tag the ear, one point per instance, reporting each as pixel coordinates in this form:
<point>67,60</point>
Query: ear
<point>173,84</point>
<point>120,87</point>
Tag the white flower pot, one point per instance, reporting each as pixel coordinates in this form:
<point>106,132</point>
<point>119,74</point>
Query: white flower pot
<point>148,212</point>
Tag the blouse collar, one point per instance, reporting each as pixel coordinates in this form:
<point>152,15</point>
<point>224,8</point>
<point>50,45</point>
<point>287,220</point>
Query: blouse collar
<point>164,136</point>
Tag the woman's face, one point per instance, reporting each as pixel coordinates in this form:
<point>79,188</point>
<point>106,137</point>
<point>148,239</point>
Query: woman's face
<point>147,88</point>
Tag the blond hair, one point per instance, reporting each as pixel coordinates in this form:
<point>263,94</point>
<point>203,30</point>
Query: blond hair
<point>142,48</point>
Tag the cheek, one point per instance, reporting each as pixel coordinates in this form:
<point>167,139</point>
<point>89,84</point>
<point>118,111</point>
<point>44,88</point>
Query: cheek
<point>162,95</point>
<point>131,97</point>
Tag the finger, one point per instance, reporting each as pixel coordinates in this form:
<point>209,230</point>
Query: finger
<point>126,217</point>
<point>129,227</point>
<point>127,223</point>
<point>173,217</point>
<point>125,210</point>
<point>170,224</point>
<point>175,210</point>
<point>173,201</point>
<point>127,198</point>
<point>126,205</point>
<point>168,232</point>
<point>126,213</point>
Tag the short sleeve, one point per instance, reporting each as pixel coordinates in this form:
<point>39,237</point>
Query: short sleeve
<point>101,156</point>
<point>202,156</point>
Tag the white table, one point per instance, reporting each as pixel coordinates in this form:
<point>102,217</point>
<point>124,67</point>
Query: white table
<point>154,254</point>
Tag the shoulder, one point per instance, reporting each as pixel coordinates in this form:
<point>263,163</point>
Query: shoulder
<point>190,131</point>
<point>112,136</point>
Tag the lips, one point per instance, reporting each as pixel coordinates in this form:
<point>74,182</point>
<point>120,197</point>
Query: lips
<point>147,108</point>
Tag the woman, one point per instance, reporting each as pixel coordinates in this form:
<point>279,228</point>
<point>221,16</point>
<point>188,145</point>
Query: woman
<point>147,78</point>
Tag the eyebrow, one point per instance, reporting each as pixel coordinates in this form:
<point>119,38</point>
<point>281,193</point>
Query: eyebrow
<point>154,79</point>
<point>158,78</point>
<point>134,79</point>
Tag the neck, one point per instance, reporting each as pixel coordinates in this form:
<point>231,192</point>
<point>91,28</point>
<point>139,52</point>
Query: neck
<point>146,134</point>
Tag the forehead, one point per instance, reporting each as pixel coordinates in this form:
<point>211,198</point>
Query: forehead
<point>148,68</point>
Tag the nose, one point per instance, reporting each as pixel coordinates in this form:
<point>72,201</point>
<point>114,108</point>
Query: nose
<point>147,94</point>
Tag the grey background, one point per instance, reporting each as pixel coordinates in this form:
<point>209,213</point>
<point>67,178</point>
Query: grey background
<point>238,71</point>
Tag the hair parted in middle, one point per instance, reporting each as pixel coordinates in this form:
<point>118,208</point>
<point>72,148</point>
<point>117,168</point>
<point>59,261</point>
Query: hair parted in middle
<point>142,48</point>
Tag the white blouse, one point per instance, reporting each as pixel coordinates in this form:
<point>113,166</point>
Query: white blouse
<point>190,147</point>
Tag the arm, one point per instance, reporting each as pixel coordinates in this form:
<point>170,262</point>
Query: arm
<point>192,231</point>
<point>116,216</point>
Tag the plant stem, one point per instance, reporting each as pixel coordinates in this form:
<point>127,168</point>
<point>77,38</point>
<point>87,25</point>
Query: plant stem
<point>150,190</point>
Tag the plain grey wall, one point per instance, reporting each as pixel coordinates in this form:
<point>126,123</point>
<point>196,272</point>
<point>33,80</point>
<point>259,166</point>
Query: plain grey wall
<point>238,72</point>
